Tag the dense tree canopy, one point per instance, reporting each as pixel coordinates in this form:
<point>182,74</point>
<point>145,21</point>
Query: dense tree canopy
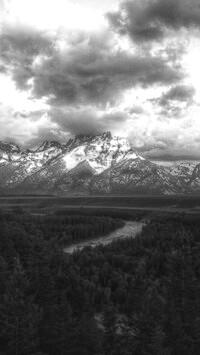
<point>134,296</point>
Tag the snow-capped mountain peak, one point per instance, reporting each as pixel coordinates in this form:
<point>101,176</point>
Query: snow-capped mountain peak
<point>8,152</point>
<point>100,151</point>
<point>48,145</point>
<point>92,164</point>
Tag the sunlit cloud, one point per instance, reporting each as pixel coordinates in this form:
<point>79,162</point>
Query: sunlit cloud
<point>68,67</point>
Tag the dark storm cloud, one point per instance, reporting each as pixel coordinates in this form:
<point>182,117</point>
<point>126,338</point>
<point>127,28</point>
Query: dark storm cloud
<point>181,93</point>
<point>19,46</point>
<point>133,19</point>
<point>82,78</point>
<point>76,122</point>
<point>148,20</point>
<point>22,40</point>
<point>86,120</point>
<point>3,69</point>
<point>89,71</point>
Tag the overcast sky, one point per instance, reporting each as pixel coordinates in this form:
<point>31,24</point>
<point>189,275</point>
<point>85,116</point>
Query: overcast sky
<point>85,67</point>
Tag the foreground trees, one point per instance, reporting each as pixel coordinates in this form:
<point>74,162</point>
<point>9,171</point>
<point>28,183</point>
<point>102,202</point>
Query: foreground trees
<point>20,315</point>
<point>135,296</point>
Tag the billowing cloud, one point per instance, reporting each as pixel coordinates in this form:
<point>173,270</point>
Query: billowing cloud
<point>180,93</point>
<point>156,138</point>
<point>83,79</point>
<point>150,19</point>
<point>19,47</point>
<point>87,120</point>
<point>89,70</point>
<point>22,127</point>
<point>136,75</point>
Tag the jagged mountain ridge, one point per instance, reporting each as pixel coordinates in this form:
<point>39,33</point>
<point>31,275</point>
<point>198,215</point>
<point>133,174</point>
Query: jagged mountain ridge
<point>91,165</point>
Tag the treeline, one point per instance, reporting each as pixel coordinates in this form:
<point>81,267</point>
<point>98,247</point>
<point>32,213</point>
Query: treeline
<point>64,229</point>
<point>74,228</point>
<point>134,296</point>
<point>122,213</point>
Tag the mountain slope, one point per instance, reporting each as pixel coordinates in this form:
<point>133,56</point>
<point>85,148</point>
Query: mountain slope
<point>91,165</point>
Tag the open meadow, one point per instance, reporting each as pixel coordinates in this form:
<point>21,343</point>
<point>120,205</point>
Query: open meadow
<point>40,204</point>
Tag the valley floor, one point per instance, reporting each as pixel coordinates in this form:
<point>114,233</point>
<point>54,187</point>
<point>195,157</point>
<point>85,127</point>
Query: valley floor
<point>165,204</point>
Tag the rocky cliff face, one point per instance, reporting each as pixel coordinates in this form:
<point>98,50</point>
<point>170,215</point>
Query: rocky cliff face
<point>91,165</point>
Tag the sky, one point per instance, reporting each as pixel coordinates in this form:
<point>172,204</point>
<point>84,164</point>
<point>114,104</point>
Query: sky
<point>71,67</point>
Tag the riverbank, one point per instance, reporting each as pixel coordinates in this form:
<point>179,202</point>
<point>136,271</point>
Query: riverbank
<point>130,229</point>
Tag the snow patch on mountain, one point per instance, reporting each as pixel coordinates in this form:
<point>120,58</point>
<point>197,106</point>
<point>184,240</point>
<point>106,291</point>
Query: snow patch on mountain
<point>93,164</point>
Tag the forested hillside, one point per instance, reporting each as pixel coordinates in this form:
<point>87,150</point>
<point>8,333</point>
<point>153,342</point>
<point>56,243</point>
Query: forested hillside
<point>134,296</point>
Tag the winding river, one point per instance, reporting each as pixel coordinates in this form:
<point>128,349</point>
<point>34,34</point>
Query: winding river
<point>130,229</point>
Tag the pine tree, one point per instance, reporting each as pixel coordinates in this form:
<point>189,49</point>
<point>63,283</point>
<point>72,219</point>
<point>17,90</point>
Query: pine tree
<point>19,315</point>
<point>56,327</point>
<point>110,330</point>
<point>86,336</point>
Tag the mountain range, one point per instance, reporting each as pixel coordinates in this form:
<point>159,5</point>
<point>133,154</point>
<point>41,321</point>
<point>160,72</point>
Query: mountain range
<point>88,165</point>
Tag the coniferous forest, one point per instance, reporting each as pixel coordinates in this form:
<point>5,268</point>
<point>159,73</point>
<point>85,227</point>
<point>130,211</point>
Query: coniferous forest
<point>135,296</point>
